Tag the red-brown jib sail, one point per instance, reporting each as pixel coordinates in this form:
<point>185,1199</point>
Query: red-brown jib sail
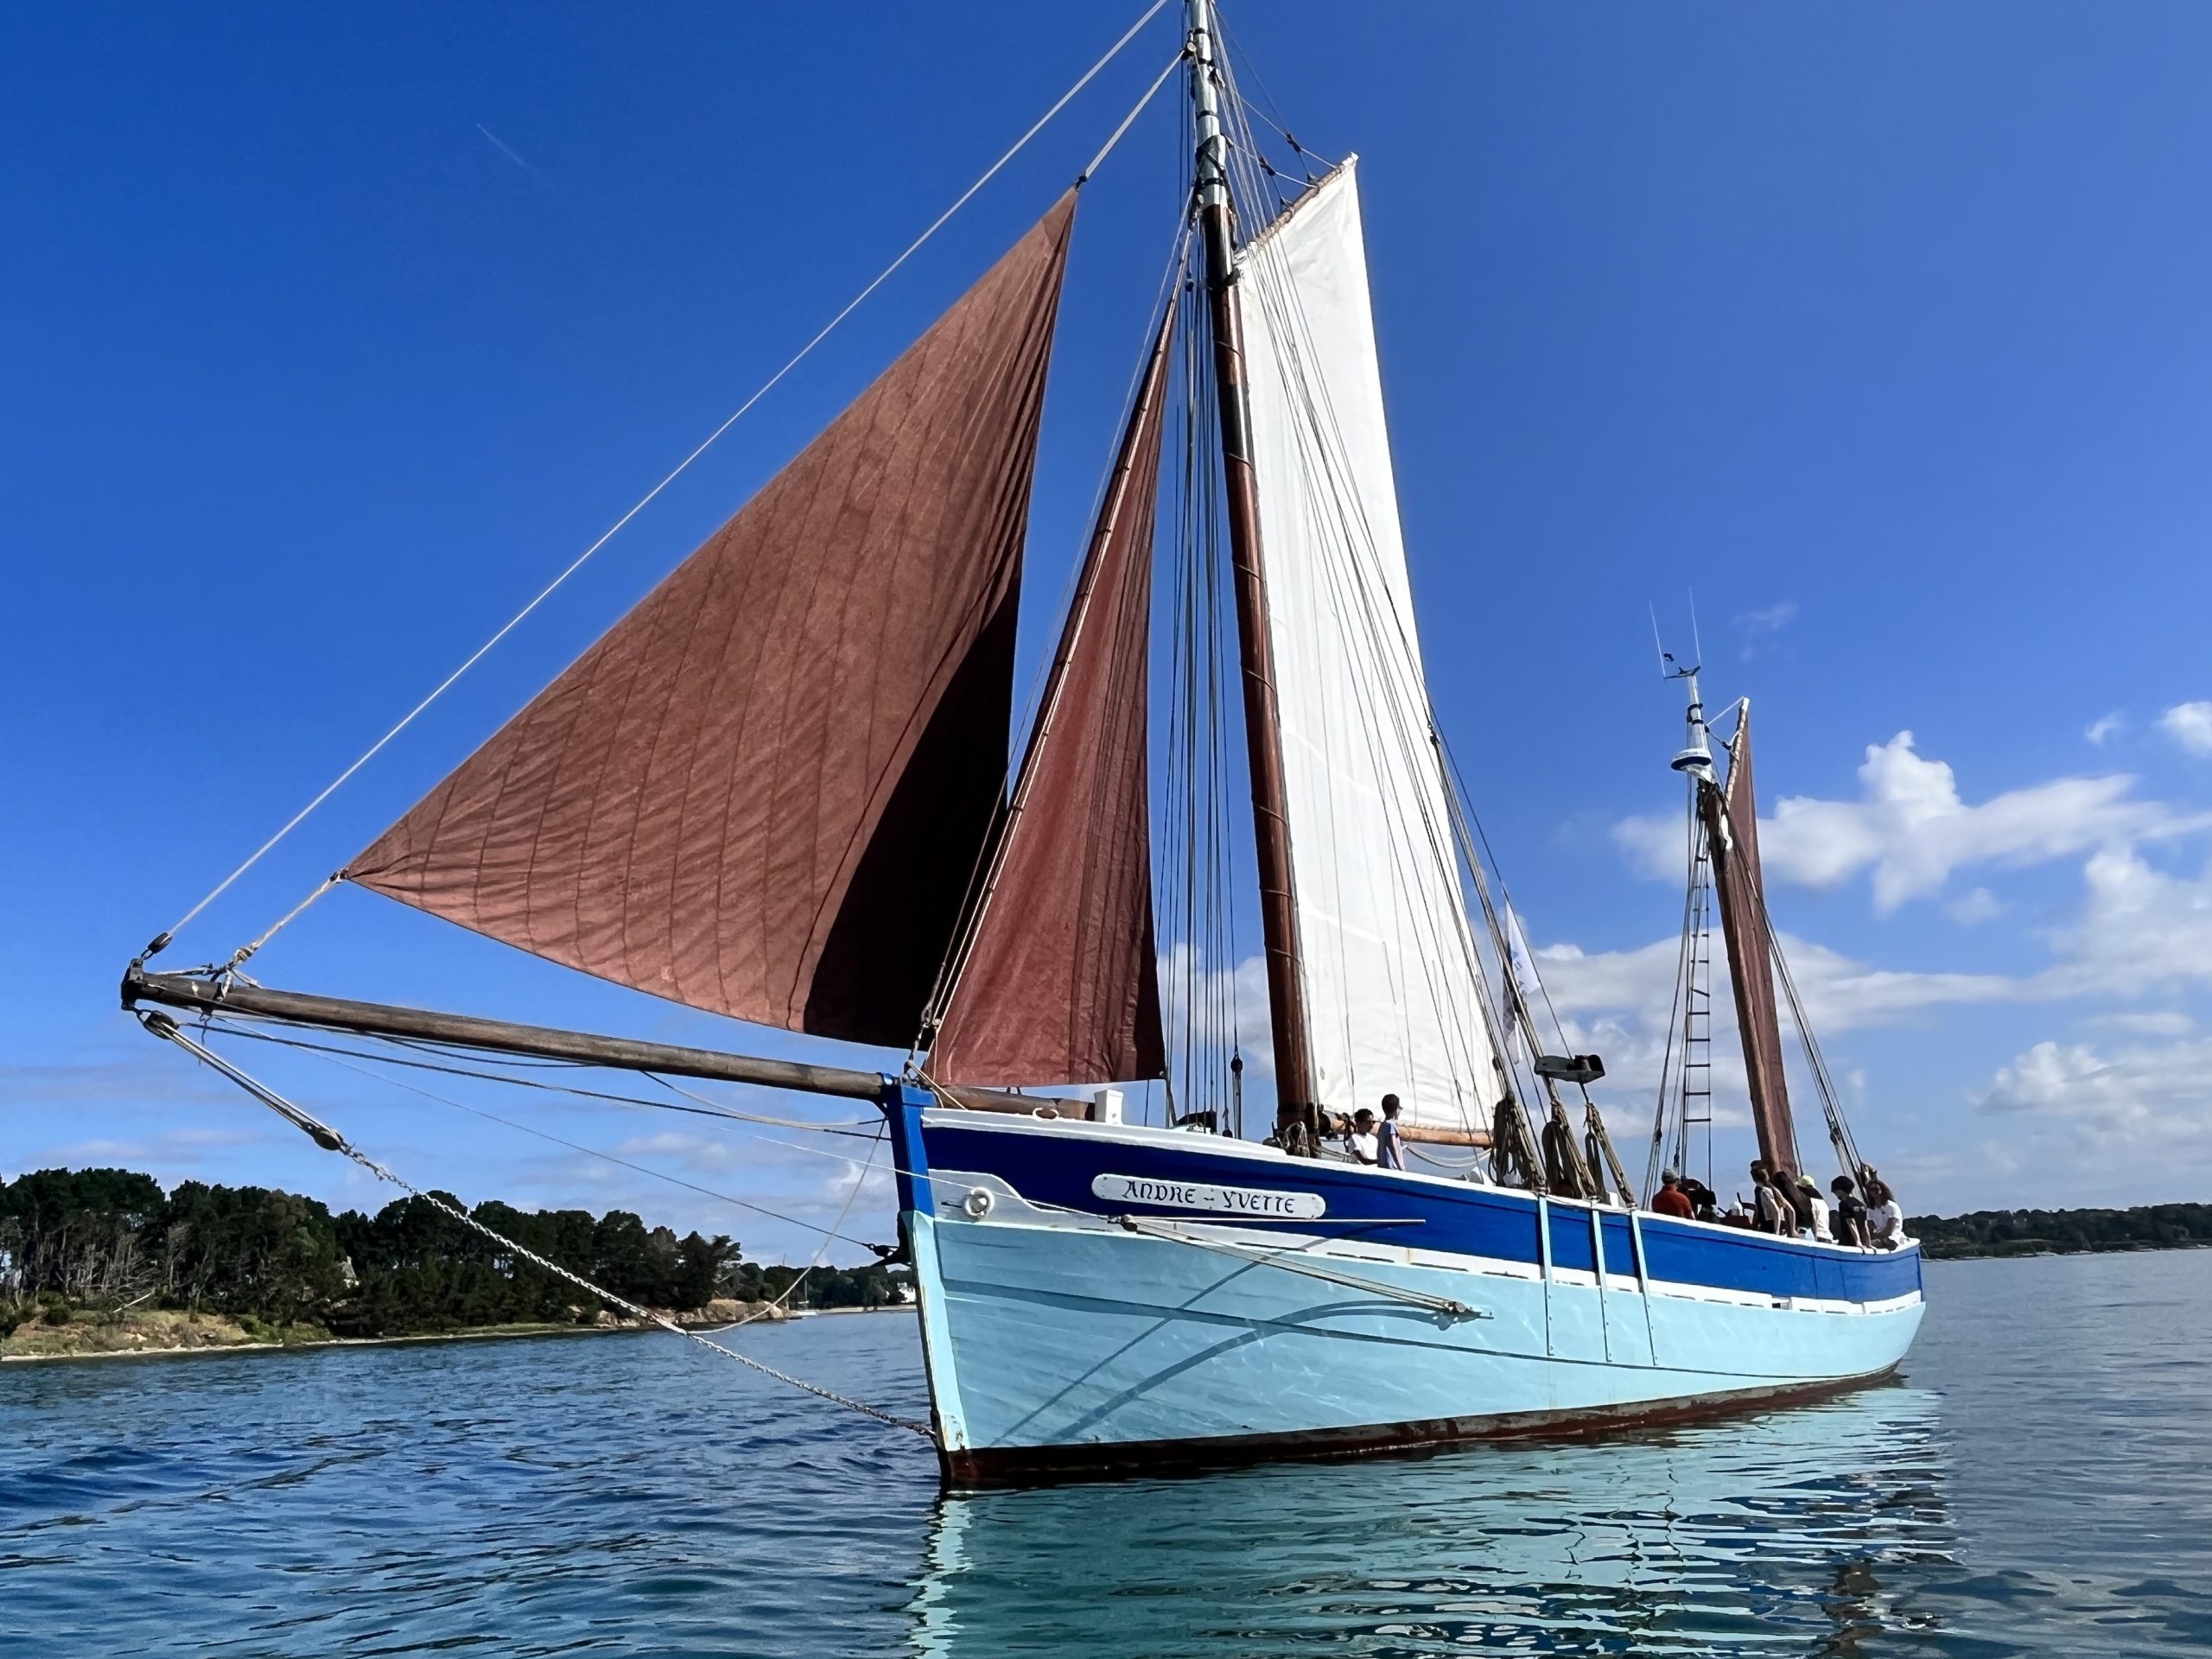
<point>765,790</point>
<point>1060,983</point>
<point>1732,816</point>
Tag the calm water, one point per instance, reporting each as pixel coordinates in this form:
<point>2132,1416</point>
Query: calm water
<point>2041,1483</point>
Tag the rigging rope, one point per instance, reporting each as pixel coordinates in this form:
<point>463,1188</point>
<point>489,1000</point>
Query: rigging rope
<point>681,468</point>
<point>1388,706</point>
<point>588,1151</point>
<point>331,1141</point>
<point>232,1025</point>
<point>990,857</point>
<point>1676,1009</point>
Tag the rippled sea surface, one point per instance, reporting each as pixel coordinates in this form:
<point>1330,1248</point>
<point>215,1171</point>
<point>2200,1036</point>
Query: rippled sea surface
<point>2040,1482</point>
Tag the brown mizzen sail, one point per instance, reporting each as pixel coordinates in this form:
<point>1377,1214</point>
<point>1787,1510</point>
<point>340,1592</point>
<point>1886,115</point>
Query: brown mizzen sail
<point>1060,983</point>
<point>765,792</point>
<point>1732,820</point>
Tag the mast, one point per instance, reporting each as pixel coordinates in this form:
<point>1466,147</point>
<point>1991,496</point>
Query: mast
<point>1730,813</point>
<point>1263,729</point>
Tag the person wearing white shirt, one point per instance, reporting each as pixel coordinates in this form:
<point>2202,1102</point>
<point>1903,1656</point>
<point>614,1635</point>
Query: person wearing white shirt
<point>1885,1218</point>
<point>1819,1228</point>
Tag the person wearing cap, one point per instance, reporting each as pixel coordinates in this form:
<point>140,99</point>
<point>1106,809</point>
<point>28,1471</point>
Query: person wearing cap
<point>1389,1144</point>
<point>1799,1200</point>
<point>1671,1200</point>
<point>1808,1192</point>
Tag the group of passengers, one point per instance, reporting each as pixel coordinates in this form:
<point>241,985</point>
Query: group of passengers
<point>1792,1207</point>
<point>1368,1139</point>
<point>1785,1205</point>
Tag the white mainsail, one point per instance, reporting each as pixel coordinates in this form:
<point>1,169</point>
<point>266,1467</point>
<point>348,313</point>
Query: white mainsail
<point>1391,978</point>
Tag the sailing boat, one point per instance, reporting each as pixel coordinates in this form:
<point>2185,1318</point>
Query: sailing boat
<point>775,790</point>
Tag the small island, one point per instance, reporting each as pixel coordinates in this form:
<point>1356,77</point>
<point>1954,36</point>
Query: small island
<point>106,1261</point>
<point>2062,1232</point>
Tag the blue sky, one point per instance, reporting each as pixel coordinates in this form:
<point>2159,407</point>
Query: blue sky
<point>329,336</point>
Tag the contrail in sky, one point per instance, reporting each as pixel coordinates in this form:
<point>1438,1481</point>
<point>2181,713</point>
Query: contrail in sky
<point>493,138</point>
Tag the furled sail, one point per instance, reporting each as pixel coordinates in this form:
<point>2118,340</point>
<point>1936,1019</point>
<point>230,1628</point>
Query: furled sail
<point>1391,978</point>
<point>1060,983</point>
<point>766,790</point>
<point>1732,823</point>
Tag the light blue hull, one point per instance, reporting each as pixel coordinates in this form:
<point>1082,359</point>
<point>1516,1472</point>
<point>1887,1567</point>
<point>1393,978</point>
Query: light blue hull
<point>1061,1339</point>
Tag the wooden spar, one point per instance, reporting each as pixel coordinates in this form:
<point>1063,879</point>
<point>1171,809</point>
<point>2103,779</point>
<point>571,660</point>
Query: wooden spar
<point>1444,1137</point>
<point>539,1042</point>
<point>1262,720</point>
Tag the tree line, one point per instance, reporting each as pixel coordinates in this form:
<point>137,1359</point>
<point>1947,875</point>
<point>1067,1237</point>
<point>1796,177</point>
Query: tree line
<point>2065,1232</point>
<point>104,1239</point>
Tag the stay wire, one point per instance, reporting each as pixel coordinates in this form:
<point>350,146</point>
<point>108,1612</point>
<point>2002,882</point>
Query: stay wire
<point>338,1059</point>
<point>704,1108</point>
<point>577,563</point>
<point>329,1138</point>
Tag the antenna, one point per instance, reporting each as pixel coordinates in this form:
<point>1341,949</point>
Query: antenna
<point>1695,756</point>
<point>1658,644</point>
<point>1697,646</point>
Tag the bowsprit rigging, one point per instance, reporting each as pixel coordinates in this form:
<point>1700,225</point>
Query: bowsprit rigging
<point>777,791</point>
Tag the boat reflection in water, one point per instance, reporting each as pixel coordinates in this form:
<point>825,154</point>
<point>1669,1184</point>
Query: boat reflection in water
<point>1805,1531</point>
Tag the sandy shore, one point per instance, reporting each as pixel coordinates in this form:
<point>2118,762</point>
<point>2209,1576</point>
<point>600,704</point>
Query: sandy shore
<point>168,1333</point>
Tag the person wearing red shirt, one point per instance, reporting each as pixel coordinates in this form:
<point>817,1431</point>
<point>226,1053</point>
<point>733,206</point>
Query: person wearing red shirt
<point>1671,1200</point>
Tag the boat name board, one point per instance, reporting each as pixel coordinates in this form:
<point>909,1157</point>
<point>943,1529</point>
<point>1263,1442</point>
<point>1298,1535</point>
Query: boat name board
<point>1199,1195</point>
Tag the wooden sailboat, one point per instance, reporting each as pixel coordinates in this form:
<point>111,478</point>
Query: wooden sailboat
<point>776,791</point>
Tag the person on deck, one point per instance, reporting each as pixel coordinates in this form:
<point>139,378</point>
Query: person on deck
<point>1772,1212</point>
<point>1800,1219</point>
<point>1810,1195</point>
<point>1389,1144</point>
<point>1850,1213</point>
<point>1884,1217</point>
<point>1671,1200</point>
<point>1360,1139</point>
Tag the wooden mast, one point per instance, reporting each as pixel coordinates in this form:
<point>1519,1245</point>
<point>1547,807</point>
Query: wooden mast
<point>1730,813</point>
<point>1294,1089</point>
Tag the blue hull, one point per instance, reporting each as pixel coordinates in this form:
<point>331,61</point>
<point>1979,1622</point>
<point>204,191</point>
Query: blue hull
<point>1098,1297</point>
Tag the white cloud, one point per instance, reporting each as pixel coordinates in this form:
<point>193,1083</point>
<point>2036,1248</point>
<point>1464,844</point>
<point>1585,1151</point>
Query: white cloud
<point>2190,725</point>
<point>2148,1090</point>
<point>2081,1124</point>
<point>1980,905</point>
<point>1911,828</point>
<point>1186,978</point>
<point>2139,928</point>
<point>2166,1023</point>
<point>172,1148</point>
<point>1759,627</point>
<point>1624,997</point>
<point>2107,726</point>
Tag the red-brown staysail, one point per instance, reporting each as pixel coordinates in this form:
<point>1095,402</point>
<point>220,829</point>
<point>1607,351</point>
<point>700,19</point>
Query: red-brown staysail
<point>1060,983</point>
<point>765,790</point>
<point>1731,815</point>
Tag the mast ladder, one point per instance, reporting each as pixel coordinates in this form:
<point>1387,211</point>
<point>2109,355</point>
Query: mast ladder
<point>1696,1103</point>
